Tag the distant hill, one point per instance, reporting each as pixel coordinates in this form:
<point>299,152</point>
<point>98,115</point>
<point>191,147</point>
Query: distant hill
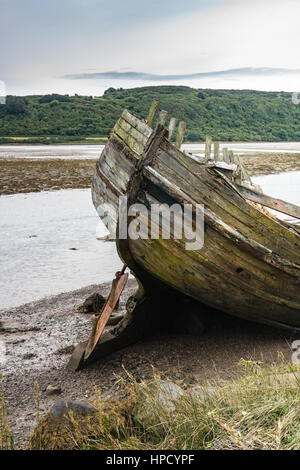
<point>228,115</point>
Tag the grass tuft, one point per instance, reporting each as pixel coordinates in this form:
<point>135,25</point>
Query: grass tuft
<point>260,410</point>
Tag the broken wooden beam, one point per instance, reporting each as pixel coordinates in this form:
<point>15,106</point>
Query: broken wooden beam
<point>163,115</point>
<point>152,112</point>
<point>180,134</point>
<point>207,152</point>
<point>172,125</point>
<point>270,202</point>
<point>216,151</point>
<point>225,155</point>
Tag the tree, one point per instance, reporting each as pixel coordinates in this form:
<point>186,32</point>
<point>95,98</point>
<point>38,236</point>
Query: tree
<point>15,105</point>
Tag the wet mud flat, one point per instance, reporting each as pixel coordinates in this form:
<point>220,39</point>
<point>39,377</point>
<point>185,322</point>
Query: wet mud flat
<point>39,338</point>
<point>25,175</point>
<point>271,163</point>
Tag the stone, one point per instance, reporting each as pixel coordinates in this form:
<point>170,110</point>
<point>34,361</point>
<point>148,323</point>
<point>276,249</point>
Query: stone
<point>92,304</point>
<point>62,407</point>
<point>53,390</point>
<point>164,395</point>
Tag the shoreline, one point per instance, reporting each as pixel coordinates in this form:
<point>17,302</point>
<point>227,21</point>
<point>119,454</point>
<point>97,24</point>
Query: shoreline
<point>50,174</point>
<point>39,337</point>
<point>91,140</point>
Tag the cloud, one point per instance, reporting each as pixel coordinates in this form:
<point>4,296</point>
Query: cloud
<point>114,75</point>
<point>199,43</point>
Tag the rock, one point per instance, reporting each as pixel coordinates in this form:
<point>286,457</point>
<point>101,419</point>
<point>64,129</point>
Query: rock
<point>163,396</point>
<point>92,304</point>
<point>204,392</point>
<point>53,390</point>
<point>29,356</point>
<point>62,407</point>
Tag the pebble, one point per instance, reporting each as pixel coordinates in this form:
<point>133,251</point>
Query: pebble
<point>62,406</point>
<point>53,390</point>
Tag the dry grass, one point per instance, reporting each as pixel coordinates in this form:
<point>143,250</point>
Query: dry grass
<point>260,410</point>
<point>6,438</point>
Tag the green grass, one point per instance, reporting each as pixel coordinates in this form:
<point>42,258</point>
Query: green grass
<point>260,410</point>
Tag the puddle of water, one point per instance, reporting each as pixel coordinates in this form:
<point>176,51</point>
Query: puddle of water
<point>37,234</point>
<point>284,186</point>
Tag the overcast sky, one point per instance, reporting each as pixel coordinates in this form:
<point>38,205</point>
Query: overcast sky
<point>86,46</point>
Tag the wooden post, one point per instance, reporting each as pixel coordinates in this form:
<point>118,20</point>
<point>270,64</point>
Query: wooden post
<point>236,159</point>
<point>180,134</point>
<point>163,117</point>
<point>231,156</point>
<point>152,112</point>
<point>241,173</point>
<point>216,151</point>
<point>246,175</point>
<point>208,143</point>
<point>172,125</point>
<point>225,155</point>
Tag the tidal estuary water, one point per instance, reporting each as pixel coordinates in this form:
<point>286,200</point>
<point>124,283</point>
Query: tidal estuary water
<point>48,245</point>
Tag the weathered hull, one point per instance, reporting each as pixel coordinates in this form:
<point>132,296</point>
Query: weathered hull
<point>249,265</point>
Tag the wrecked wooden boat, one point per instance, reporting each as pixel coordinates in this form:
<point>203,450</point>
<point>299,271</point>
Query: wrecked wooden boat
<point>249,264</point>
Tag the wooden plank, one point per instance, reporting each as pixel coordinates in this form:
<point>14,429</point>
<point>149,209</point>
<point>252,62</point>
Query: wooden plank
<point>208,143</point>
<point>139,136</point>
<point>117,288</point>
<point>115,173</point>
<point>172,125</point>
<point>230,257</point>
<point>180,134</point>
<point>249,245</point>
<point>163,115</point>
<point>153,145</point>
<point>271,202</point>
<point>194,179</point>
<point>152,112</point>
<point>122,149</point>
<point>133,144</point>
<point>122,127</point>
<point>225,256</point>
<point>138,124</point>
